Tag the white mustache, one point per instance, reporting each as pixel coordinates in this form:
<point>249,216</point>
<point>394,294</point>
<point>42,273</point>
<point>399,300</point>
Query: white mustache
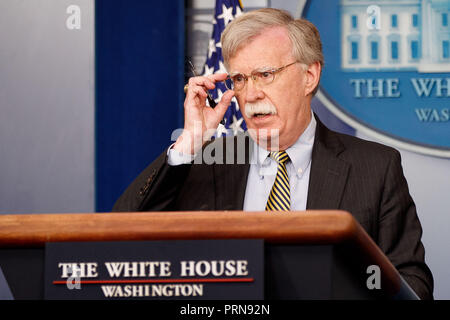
<point>262,107</point>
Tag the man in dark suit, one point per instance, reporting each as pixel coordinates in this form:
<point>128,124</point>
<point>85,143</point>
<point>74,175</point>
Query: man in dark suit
<point>291,160</point>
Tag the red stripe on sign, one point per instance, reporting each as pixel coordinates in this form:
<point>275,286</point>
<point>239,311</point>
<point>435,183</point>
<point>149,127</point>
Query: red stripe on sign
<point>156,281</point>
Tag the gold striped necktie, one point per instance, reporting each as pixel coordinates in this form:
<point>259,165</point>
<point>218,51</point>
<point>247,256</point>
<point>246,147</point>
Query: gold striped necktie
<point>280,195</point>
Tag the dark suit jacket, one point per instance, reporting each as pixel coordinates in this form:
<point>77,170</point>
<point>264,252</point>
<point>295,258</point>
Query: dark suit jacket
<point>347,173</point>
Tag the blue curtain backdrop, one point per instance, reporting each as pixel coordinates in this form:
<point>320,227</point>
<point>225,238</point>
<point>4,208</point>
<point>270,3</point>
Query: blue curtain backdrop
<point>139,88</point>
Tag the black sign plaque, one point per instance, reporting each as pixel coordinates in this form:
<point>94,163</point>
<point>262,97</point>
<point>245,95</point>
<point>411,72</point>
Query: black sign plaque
<point>173,269</point>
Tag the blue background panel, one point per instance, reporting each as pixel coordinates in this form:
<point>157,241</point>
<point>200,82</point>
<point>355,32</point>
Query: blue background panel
<point>139,88</point>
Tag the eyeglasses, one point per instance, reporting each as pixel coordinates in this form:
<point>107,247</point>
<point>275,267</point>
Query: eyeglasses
<point>238,81</point>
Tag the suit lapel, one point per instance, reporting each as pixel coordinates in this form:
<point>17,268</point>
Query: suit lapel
<point>230,179</point>
<point>230,185</point>
<point>327,181</point>
<point>328,173</point>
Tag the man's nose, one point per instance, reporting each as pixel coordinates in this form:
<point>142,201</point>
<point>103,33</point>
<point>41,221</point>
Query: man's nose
<point>254,92</point>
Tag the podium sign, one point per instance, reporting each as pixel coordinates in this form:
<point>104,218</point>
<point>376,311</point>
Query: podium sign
<point>190,269</point>
<point>307,255</point>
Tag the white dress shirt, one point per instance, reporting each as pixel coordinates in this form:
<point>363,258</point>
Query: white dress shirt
<point>263,170</point>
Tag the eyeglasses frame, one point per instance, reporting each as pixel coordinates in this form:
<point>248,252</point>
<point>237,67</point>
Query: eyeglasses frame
<point>253,76</point>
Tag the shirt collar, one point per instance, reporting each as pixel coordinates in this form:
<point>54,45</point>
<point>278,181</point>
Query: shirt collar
<point>299,153</point>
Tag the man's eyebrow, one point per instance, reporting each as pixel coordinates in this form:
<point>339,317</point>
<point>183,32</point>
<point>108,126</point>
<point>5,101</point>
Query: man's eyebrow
<point>234,73</point>
<point>260,69</point>
<point>263,69</point>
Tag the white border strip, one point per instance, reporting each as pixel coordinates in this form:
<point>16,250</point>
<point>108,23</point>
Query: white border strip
<point>377,135</point>
<point>300,7</point>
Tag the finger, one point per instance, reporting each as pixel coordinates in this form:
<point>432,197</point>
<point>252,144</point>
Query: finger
<point>225,102</point>
<point>197,91</point>
<point>202,81</point>
<point>218,76</point>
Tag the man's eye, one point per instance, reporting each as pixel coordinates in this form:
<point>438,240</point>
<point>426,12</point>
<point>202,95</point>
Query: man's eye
<point>265,74</point>
<point>238,78</point>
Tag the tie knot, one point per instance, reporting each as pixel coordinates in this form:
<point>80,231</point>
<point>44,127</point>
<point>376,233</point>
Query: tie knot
<point>279,156</point>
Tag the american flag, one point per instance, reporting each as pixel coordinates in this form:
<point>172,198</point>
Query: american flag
<point>225,12</point>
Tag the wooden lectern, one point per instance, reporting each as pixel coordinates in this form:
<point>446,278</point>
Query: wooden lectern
<point>308,255</point>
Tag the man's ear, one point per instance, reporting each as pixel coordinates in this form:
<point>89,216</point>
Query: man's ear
<point>312,74</point>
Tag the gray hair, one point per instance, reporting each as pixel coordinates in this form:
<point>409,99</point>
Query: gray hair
<point>304,36</point>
